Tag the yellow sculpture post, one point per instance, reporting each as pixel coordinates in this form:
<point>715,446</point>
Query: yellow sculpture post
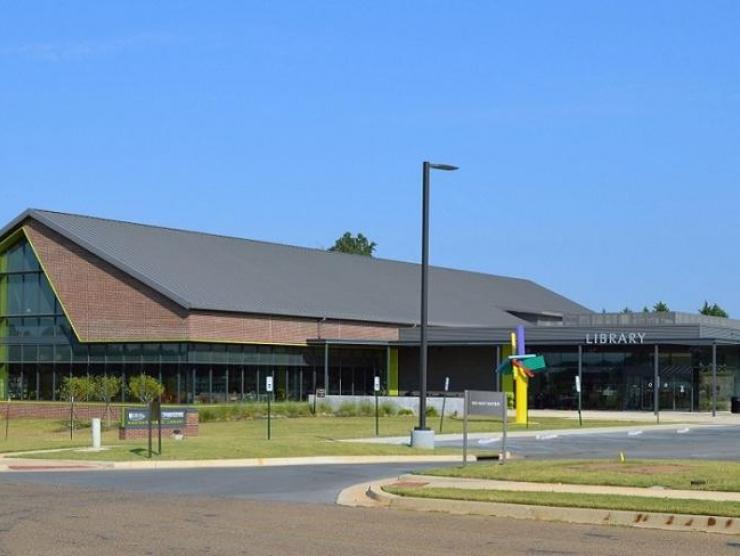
<point>521,382</point>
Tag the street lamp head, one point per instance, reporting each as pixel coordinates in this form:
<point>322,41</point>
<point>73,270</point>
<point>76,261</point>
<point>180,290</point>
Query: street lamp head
<point>447,167</point>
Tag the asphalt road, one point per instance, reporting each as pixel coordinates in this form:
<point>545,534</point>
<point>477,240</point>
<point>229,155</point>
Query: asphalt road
<point>310,483</point>
<point>718,443</point>
<point>38,518</point>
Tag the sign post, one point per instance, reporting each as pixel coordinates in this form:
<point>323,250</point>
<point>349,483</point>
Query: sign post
<point>578,392</point>
<point>376,389</point>
<point>157,410</point>
<point>71,416</point>
<point>268,388</point>
<point>487,404</point>
<point>444,400</point>
<point>149,426</point>
<point>7,415</point>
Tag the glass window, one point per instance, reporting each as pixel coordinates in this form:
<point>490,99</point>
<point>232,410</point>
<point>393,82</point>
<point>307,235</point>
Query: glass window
<point>30,262</point>
<point>30,354</point>
<point>115,352</point>
<point>62,353</point>
<point>46,326</point>
<point>151,353</point>
<point>46,353</point>
<point>14,258</point>
<point>30,294</point>
<point>15,294</point>
<point>219,354</point>
<point>46,296</point>
<point>97,353</point>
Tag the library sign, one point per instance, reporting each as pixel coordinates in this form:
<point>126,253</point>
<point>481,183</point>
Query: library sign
<point>615,338</point>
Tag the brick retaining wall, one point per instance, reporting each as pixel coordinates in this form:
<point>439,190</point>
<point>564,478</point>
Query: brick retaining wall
<point>46,410</point>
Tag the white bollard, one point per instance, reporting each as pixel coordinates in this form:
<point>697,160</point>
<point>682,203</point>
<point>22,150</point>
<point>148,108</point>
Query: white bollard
<point>95,433</point>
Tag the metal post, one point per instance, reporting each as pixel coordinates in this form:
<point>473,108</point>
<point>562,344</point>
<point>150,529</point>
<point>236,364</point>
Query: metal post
<point>326,368</point>
<point>504,431</point>
<point>377,425</point>
<point>269,416</point>
<point>159,427</point>
<point>210,384</point>
<point>314,391</point>
<point>465,428</point>
<point>714,380</point>
<point>226,385</point>
<point>424,284</point>
<point>241,388</point>
<point>179,386</point>
<point>498,362</point>
<point>656,383</point>
<point>192,385</point>
<point>580,385</point>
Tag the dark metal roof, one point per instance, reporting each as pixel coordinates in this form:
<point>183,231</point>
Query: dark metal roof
<point>210,272</point>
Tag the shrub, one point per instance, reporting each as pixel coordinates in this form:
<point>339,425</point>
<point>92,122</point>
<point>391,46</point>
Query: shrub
<point>324,408</point>
<point>346,409</point>
<point>388,409</point>
<point>432,411</point>
<point>405,411</point>
<point>366,409</point>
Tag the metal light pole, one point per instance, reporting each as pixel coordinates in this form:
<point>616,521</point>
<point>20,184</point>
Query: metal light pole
<point>426,436</point>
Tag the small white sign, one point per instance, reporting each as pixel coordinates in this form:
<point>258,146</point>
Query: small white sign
<point>268,384</point>
<point>376,384</point>
<point>578,384</point>
<point>447,384</point>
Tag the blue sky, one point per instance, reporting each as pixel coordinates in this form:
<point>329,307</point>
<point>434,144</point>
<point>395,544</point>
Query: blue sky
<point>598,141</point>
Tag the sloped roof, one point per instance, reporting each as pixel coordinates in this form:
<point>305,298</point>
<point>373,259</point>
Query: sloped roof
<point>210,272</point>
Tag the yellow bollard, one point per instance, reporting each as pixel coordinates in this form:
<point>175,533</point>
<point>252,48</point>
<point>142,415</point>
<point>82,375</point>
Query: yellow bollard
<point>522,382</point>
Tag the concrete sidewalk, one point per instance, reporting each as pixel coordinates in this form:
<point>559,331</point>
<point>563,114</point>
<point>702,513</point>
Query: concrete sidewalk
<point>487,484</point>
<point>550,433</point>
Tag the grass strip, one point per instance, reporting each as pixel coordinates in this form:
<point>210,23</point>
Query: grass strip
<point>572,500</point>
<point>675,474</point>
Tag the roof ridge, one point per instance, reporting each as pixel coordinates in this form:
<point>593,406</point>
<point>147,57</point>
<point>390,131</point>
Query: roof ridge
<point>287,245</point>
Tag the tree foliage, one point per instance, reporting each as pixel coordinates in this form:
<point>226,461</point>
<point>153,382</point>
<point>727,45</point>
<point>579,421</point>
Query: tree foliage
<point>355,245</point>
<point>107,388</point>
<point>660,307</point>
<point>713,310</point>
<point>145,388</point>
<point>77,388</point>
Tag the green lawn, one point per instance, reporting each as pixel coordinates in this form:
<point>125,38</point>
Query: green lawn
<point>299,436</point>
<point>676,474</point>
<point>568,500</point>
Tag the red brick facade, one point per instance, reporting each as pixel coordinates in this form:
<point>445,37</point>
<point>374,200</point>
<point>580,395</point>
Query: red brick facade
<point>106,304</point>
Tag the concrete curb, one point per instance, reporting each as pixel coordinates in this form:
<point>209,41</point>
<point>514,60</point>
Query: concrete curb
<point>585,516</point>
<point>6,465</point>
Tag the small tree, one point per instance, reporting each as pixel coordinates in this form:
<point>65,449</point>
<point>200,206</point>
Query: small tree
<point>713,310</point>
<point>107,388</point>
<point>145,388</point>
<point>356,245</point>
<point>76,388</point>
<point>660,307</point>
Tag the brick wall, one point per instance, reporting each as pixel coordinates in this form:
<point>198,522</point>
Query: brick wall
<point>101,301</point>
<point>47,410</point>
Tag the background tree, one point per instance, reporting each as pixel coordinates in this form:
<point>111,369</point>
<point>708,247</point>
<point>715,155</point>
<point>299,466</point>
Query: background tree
<point>145,388</point>
<point>713,310</point>
<point>75,389</point>
<point>356,245</point>
<point>660,307</point>
<point>107,388</point>
<point>626,310</point>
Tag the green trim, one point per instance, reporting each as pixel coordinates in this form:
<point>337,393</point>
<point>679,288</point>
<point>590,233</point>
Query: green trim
<point>393,372</point>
